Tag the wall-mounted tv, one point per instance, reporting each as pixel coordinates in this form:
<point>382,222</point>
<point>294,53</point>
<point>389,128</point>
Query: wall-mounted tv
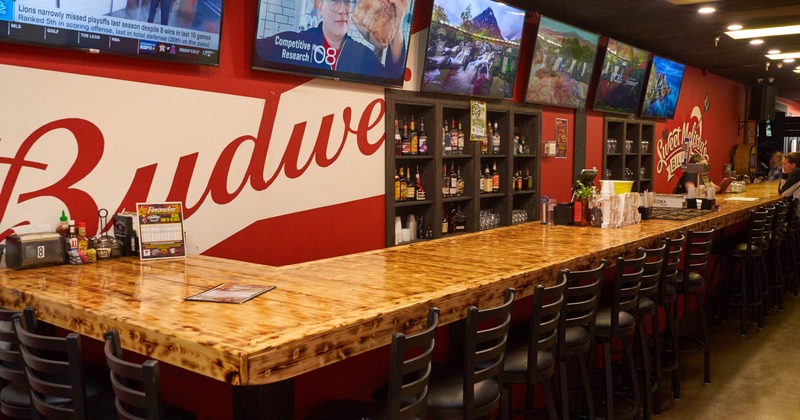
<point>360,41</point>
<point>622,78</point>
<point>181,31</point>
<point>473,48</point>
<point>663,88</point>
<point>562,66</point>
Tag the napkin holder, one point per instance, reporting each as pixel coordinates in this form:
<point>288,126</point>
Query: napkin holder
<point>34,250</point>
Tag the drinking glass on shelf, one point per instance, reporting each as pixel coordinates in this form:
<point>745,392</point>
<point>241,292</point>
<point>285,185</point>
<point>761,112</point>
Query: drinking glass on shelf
<point>628,174</point>
<point>645,146</point>
<point>628,145</point>
<point>642,172</point>
<point>608,173</point>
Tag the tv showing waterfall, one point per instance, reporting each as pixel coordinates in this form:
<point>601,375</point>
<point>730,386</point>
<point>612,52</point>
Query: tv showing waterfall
<point>663,88</point>
<point>473,49</point>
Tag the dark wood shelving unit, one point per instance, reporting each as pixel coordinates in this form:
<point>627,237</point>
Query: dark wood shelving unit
<point>633,159</point>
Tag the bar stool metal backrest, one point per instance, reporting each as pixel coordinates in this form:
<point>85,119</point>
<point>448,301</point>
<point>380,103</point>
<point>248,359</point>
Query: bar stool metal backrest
<point>136,386</point>
<point>54,368</point>
<point>409,374</point>
<point>15,399</point>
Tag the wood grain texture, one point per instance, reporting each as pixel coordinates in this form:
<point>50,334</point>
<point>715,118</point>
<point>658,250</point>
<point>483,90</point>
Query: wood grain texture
<point>327,310</point>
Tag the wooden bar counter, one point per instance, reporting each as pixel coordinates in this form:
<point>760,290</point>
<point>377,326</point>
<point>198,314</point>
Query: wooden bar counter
<point>327,310</point>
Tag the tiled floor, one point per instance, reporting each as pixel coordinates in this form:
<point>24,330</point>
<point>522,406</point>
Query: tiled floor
<point>753,377</point>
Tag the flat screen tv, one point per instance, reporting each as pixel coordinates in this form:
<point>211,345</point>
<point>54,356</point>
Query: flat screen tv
<point>473,48</point>
<point>180,31</point>
<point>562,66</point>
<point>663,88</point>
<point>621,79</point>
<point>360,41</point>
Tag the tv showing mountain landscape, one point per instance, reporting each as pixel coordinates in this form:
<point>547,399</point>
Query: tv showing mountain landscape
<point>622,78</point>
<point>563,61</point>
<point>663,88</point>
<point>473,48</point>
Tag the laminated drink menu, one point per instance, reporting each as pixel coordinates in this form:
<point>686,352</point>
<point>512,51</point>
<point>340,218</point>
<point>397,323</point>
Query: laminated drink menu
<point>230,293</point>
<point>161,230</point>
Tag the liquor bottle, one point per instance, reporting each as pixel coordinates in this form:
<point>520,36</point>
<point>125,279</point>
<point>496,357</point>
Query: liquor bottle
<point>516,144</point>
<point>445,181</point>
<point>523,146</point>
<point>487,180</point>
<point>445,227</point>
<point>396,186</point>
<point>419,189</point>
<point>496,140</point>
<point>451,228</point>
<point>420,226</point>
<point>453,137</point>
<point>406,142</point>
<point>485,141</point>
<point>495,178</point>
<point>459,183</point>
<point>481,185</point>
<point>460,139</point>
<point>403,186</point>
<point>411,186</point>
<point>423,138</point>
<point>453,180</point>
<point>459,221</point>
<point>414,139</point>
<point>448,148</point>
<point>518,181</point>
<point>529,179</point>
<point>398,139</point>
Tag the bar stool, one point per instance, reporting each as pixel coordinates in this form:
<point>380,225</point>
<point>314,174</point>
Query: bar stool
<point>576,330</point>
<point>472,390</point>
<point>60,387</point>
<point>745,287</point>
<point>137,387</point>
<point>667,298</point>
<point>648,308</point>
<point>792,248</point>
<point>537,345</point>
<point>690,282</point>
<point>617,321</point>
<point>15,397</point>
<point>405,395</point>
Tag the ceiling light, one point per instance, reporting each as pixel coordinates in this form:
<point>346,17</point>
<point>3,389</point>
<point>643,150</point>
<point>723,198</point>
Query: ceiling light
<point>797,70</point>
<point>706,10</point>
<point>788,60</point>
<point>772,31</point>
<point>756,41</point>
<point>795,54</point>
<point>735,27</point>
<point>774,52</point>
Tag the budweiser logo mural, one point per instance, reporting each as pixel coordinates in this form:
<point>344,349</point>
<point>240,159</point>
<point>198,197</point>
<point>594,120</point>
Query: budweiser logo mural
<point>80,143</point>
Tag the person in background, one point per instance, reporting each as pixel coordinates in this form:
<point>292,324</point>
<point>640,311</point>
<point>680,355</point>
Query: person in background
<point>790,184</point>
<point>775,166</point>
<point>688,180</point>
<point>166,6</point>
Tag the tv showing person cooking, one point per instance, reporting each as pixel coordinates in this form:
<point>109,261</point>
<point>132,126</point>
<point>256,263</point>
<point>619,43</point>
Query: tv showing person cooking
<point>363,40</point>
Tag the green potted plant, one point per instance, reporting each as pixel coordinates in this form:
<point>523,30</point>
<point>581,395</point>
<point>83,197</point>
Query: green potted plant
<point>582,195</point>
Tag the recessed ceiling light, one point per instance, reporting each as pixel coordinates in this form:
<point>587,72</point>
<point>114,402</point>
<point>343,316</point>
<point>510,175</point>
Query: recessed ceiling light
<point>782,56</point>
<point>772,31</point>
<point>788,60</point>
<point>797,70</point>
<point>756,41</point>
<point>735,27</point>
<point>774,52</point>
<point>706,10</point>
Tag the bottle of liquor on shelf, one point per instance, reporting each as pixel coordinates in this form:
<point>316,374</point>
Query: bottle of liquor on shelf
<point>398,138</point>
<point>446,148</point>
<point>403,185</point>
<point>485,141</point>
<point>419,189</point>
<point>406,142</point>
<point>411,186</point>
<point>423,138</point>
<point>496,140</point>
<point>414,139</point>
<point>524,149</point>
<point>453,137</point>
<point>451,227</point>
<point>396,185</point>
<point>453,180</point>
<point>459,221</point>
<point>495,178</point>
<point>459,183</point>
<point>420,226</point>
<point>487,180</point>
<point>515,146</point>
<point>445,181</point>
<point>460,139</point>
<point>481,185</point>
<point>528,179</point>
<point>445,225</point>
<point>518,181</point>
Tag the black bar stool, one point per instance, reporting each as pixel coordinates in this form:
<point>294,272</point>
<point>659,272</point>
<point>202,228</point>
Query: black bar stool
<point>648,308</point>
<point>667,299</point>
